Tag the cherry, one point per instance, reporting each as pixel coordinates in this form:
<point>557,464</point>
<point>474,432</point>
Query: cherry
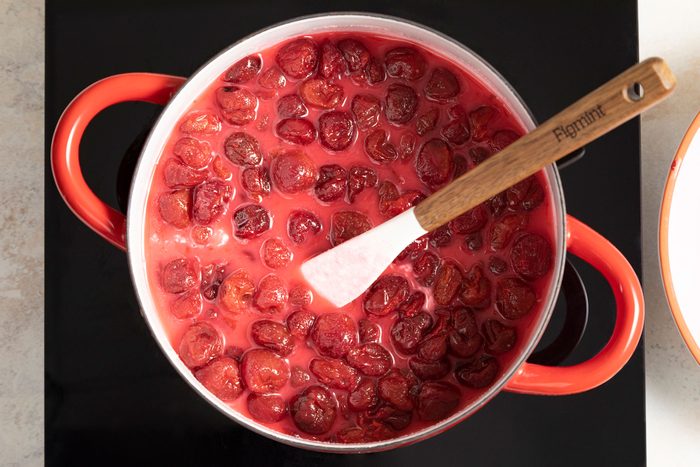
<point>350,435</point>
<point>412,305</point>
<point>478,373</point>
<point>272,335</point>
<point>425,268</point>
<point>360,178</point>
<point>476,288</point>
<point>414,249</point>
<point>474,241</point>
<point>222,377</point>
<point>392,204</point>
<point>356,54</point>
<point>268,408</point>
<point>364,396</point>
<point>331,183</point>
<point>379,149</point>
<point>394,388</point>
<point>256,182</point>
<point>272,79</point>
<point>479,119</point>
<point>334,334</point>
<point>369,331</point>
<point>371,359</point>
<point>385,295</point>
<point>478,155</point>
<point>405,63</point>
<point>250,221</point>
<point>174,207</point>
<point>504,228</point>
<point>212,276</point>
<point>499,337</point>
<point>293,171</point>
<point>406,333</point>
<point>383,421</point>
<point>346,225</point>
<point>302,225</point>
<point>243,70</point>
<point>401,103</point>
<point>447,283</point>
<point>336,130</point>
<point>435,164</point>
<point>437,400</point>
<point>243,149</point>
<point>193,153</point>
<point>298,59</point>
<point>427,121</point>
<point>461,166</point>
<point>275,253</point>
<point>200,344</point>
<point>471,221</point>
<point>299,377</point>
<point>526,194</point>
<point>300,296</point>
<point>366,110</point>
<point>374,71</point>
<point>531,256</point>
<point>332,64</point>
<point>180,275</point>
<point>201,123</point>
<point>271,294</point>
<point>296,131</point>
<point>427,370</point>
<point>464,340</point>
<point>236,291</point>
<point>300,323</point>
<point>456,132</point>
<point>514,298</point>
<point>442,85</point>
<point>209,201</point>
<point>178,175</point>
<point>264,371</point>
<point>321,93</point>
<point>433,348</point>
<point>440,237</point>
<point>221,169</point>
<point>291,106</point>
<point>502,139</point>
<point>497,204</point>
<point>334,373</point>
<point>314,410</point>
<point>497,266</point>
<point>187,305</point>
<point>201,234</point>
<point>238,106</point>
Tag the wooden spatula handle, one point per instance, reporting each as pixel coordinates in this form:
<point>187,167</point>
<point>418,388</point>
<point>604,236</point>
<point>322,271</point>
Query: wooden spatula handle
<point>609,106</point>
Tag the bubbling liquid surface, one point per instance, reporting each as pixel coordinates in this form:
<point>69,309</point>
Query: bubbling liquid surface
<point>297,148</point>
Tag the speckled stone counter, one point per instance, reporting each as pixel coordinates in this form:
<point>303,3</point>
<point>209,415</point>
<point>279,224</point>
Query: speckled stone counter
<point>668,29</point>
<point>22,240</point>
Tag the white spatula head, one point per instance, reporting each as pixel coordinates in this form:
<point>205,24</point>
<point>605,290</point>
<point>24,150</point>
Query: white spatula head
<point>343,273</point>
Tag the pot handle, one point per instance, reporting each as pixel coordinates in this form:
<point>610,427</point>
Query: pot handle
<point>65,160</point>
<point>593,248</point>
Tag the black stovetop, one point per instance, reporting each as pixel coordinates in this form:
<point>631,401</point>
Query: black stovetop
<point>111,396</point>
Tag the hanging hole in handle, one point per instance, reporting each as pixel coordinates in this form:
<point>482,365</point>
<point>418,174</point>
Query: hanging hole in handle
<point>634,92</point>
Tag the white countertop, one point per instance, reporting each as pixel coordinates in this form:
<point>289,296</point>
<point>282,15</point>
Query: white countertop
<point>669,28</point>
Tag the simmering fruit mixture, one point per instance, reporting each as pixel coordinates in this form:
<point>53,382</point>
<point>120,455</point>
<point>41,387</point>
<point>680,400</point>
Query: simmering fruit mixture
<point>298,148</point>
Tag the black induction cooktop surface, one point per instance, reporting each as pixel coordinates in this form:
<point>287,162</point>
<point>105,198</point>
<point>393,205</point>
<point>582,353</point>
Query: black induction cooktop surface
<point>111,396</point>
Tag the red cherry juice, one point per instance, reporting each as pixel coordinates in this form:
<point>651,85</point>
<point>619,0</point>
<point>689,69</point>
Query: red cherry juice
<point>297,148</point>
